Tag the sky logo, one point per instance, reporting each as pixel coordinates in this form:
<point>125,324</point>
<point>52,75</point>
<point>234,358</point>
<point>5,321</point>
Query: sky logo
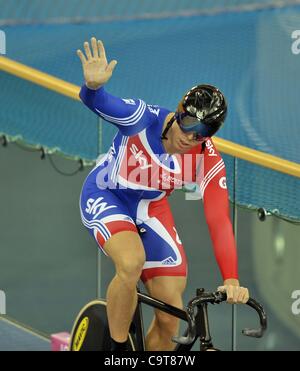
<point>2,42</point>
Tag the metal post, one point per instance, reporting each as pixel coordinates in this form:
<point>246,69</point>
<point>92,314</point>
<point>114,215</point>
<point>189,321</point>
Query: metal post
<point>99,276</point>
<point>234,307</point>
<point>99,254</point>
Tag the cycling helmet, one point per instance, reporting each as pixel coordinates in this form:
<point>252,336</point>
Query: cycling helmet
<point>202,110</point>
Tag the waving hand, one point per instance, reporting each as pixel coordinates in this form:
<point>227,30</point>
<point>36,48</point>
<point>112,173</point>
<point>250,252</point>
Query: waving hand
<point>96,70</point>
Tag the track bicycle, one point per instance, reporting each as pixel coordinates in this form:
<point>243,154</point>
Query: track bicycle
<point>91,332</point>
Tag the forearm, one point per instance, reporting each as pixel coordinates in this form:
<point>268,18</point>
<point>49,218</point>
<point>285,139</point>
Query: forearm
<point>93,97</point>
<point>224,248</point>
<point>129,115</point>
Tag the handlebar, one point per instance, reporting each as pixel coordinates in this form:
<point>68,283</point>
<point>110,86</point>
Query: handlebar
<point>217,298</point>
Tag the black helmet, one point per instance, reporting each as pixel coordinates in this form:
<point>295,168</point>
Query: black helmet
<point>202,110</point>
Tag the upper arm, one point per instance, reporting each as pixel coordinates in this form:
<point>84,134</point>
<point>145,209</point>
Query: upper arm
<point>213,186</point>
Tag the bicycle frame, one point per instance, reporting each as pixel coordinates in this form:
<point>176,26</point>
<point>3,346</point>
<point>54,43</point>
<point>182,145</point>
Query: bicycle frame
<point>202,324</point>
<point>95,335</point>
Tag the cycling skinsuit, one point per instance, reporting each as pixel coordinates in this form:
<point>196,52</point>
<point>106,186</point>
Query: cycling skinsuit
<point>128,188</point>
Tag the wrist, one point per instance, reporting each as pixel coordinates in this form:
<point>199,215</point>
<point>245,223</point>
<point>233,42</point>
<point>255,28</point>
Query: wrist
<point>93,86</point>
<point>231,282</point>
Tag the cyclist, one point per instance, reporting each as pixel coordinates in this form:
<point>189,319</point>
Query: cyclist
<point>124,198</point>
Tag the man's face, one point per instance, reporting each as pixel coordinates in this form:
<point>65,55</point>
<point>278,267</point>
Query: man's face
<point>181,141</point>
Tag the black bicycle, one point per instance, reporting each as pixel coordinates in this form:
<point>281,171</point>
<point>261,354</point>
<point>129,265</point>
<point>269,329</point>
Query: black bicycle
<point>91,332</point>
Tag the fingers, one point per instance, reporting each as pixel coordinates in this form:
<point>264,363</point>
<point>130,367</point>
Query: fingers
<point>235,294</point>
<point>245,296</point>
<point>101,50</point>
<point>229,289</point>
<point>94,47</point>
<point>87,50</point>
<point>81,56</point>
<point>230,294</point>
<point>240,297</point>
<point>97,50</point>
<point>110,68</point>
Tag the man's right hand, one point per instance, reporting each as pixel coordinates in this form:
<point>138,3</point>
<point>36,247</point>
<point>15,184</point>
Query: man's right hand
<point>96,70</point>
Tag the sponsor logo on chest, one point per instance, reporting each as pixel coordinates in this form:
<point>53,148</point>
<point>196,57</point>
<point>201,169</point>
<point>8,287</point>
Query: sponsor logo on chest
<point>140,157</point>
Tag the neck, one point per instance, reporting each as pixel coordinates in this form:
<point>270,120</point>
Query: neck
<point>166,142</point>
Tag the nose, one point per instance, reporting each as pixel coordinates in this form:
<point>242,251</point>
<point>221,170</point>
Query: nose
<point>189,136</point>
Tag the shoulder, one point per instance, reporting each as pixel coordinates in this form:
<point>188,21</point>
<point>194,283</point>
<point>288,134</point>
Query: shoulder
<point>213,161</point>
<point>210,150</point>
<point>158,116</point>
<point>158,112</point>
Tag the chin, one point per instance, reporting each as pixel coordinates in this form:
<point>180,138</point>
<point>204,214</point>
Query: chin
<point>183,150</point>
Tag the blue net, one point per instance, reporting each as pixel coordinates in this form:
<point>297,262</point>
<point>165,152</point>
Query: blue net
<point>69,11</point>
<point>248,54</point>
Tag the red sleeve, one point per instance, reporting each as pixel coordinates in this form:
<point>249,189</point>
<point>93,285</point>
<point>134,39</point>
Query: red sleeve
<point>217,212</point>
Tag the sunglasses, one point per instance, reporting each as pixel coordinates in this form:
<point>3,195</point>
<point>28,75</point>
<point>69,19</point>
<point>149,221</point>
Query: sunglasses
<point>196,128</point>
<point>197,135</point>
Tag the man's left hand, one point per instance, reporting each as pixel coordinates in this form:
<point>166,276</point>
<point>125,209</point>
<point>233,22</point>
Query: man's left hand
<point>235,293</point>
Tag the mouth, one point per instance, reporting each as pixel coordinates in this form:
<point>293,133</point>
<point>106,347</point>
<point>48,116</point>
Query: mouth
<point>183,144</point>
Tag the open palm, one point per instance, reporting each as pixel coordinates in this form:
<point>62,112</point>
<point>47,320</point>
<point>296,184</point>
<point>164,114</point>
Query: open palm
<point>96,70</point>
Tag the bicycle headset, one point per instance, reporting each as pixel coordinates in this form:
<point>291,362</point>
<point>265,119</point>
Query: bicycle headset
<point>202,110</point>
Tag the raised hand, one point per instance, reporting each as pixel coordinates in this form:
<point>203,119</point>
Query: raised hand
<point>96,70</point>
